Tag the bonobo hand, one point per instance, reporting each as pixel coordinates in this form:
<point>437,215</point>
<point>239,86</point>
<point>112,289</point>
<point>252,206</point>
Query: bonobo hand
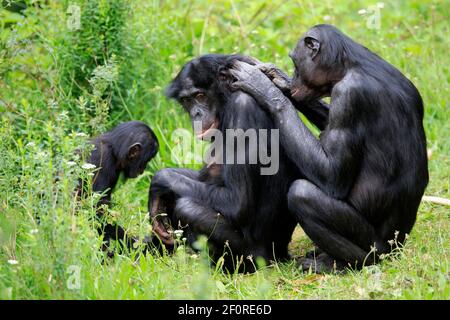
<point>278,77</point>
<point>251,80</point>
<point>160,222</point>
<point>161,228</point>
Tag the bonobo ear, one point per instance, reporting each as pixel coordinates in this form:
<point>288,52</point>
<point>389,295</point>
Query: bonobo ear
<point>134,151</point>
<point>312,44</point>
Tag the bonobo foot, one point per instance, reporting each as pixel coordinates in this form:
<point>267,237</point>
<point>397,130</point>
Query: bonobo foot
<point>322,263</point>
<point>313,253</point>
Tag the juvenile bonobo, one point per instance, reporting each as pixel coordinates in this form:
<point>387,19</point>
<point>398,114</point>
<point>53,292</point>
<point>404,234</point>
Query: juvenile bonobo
<point>241,211</point>
<point>366,174</point>
<point>126,148</point>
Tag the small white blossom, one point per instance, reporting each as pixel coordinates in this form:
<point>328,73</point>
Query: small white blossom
<point>326,18</point>
<point>13,262</point>
<point>380,5</point>
<point>178,233</point>
<point>71,163</point>
<point>88,166</point>
<point>81,134</point>
<point>34,231</point>
<point>362,11</point>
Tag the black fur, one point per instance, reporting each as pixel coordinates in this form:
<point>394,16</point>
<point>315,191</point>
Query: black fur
<point>254,219</point>
<point>111,156</point>
<point>365,176</point>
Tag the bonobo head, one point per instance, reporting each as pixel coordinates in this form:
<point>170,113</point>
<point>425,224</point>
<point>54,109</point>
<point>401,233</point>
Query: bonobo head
<point>202,87</point>
<point>134,145</point>
<point>321,58</point>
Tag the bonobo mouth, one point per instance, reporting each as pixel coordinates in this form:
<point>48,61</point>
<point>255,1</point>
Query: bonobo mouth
<point>206,132</point>
<point>303,93</point>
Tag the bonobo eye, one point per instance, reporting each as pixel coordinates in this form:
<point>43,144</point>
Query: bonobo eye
<point>200,97</point>
<point>184,100</point>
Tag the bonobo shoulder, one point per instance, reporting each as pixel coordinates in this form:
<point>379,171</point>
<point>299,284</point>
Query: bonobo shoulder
<point>243,102</point>
<point>352,81</point>
<point>355,84</point>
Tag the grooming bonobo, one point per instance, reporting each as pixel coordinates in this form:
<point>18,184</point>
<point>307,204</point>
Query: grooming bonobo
<point>365,175</point>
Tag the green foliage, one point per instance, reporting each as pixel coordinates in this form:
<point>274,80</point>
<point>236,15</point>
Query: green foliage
<point>91,41</point>
<point>59,84</point>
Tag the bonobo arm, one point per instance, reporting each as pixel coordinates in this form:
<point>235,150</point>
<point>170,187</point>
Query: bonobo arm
<point>232,197</point>
<point>315,111</point>
<point>227,199</point>
<point>330,162</point>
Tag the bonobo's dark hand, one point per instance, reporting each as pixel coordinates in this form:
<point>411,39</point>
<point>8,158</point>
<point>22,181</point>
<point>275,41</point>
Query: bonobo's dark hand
<point>278,77</point>
<point>251,80</point>
<point>161,228</point>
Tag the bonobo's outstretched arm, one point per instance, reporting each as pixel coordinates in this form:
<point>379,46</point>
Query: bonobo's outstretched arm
<point>320,160</point>
<point>315,111</point>
<point>229,199</point>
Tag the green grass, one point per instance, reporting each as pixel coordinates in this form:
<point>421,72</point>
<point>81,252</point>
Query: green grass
<point>41,114</point>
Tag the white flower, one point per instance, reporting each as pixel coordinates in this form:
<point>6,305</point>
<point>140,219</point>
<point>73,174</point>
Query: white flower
<point>178,233</point>
<point>81,134</point>
<point>33,231</point>
<point>13,262</point>
<point>326,18</point>
<point>88,166</point>
<point>380,5</point>
<point>362,11</point>
<point>71,163</point>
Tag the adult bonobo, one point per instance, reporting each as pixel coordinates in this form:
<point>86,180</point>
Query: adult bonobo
<point>126,148</point>
<point>242,211</point>
<point>367,172</point>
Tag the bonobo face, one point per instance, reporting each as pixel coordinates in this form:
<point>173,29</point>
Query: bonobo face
<point>199,88</point>
<point>201,107</point>
<point>202,87</point>
<point>310,80</point>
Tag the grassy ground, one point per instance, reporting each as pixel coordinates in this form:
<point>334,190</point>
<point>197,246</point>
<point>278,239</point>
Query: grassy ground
<point>129,51</point>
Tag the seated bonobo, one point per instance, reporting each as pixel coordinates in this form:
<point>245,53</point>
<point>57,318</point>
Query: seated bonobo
<point>363,179</point>
<point>241,207</point>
